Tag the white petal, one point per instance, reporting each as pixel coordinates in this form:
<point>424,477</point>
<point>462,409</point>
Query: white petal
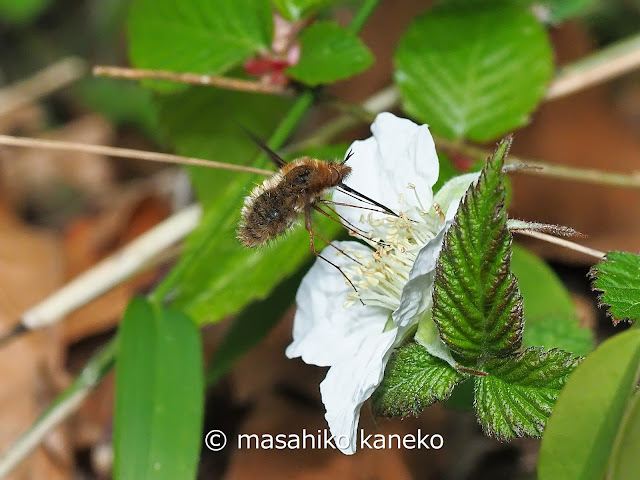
<point>399,153</point>
<point>416,294</point>
<point>351,382</point>
<point>324,332</point>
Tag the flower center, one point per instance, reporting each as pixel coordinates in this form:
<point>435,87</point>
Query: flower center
<point>382,274</point>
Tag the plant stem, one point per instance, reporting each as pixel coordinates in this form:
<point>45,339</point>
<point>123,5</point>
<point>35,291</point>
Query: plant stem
<point>605,64</point>
<point>51,78</point>
<point>190,78</point>
<point>576,247</point>
<point>113,270</point>
<point>362,15</point>
<point>124,153</point>
<point>598,177</point>
<point>65,404</point>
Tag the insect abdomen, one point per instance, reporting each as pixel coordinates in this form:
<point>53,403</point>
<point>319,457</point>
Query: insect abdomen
<point>266,217</point>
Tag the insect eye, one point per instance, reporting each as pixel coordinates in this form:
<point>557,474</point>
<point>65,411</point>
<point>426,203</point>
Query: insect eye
<point>302,178</point>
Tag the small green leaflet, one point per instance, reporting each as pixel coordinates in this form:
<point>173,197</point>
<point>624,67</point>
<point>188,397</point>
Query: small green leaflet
<point>516,396</point>
<point>476,303</point>
<point>329,52</point>
<point>413,381</point>
<point>617,277</point>
<point>473,73</point>
<point>478,310</point>
<point>199,36</point>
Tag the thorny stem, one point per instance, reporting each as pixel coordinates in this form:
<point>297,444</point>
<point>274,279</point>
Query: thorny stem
<point>599,177</point>
<point>101,363</point>
<point>563,242</point>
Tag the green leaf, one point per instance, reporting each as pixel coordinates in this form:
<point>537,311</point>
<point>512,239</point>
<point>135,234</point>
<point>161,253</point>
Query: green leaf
<point>329,53</point>
<point>580,435</point>
<point>198,36</point>
<point>216,275</point>
<point>549,312</point>
<point>447,171</point>
<point>159,394</point>
<point>252,325</point>
<point>473,73</point>
<point>618,278</point>
<point>413,380</point>
<point>476,303</point>
<point>625,462</point>
<point>293,10</point>
<point>23,11</point>
<point>519,391</point>
<point>122,103</point>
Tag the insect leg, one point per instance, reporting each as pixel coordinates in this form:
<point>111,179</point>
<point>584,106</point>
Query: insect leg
<point>309,226</point>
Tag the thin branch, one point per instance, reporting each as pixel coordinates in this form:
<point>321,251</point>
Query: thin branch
<point>125,153</point>
<point>48,80</point>
<point>586,175</point>
<point>563,243</point>
<point>65,404</point>
<point>113,270</point>
<point>191,78</point>
<point>607,63</point>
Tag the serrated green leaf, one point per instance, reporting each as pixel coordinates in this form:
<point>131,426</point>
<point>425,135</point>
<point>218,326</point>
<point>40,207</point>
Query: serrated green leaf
<point>482,80</point>
<point>618,278</point>
<point>216,275</point>
<point>159,394</point>
<point>329,52</point>
<point>549,312</point>
<point>23,11</point>
<point>476,303</point>
<point>516,397</point>
<point>625,462</point>
<point>580,435</point>
<point>198,36</point>
<point>293,10</point>
<point>413,380</point>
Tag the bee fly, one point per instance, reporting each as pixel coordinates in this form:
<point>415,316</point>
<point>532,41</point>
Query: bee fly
<point>298,188</point>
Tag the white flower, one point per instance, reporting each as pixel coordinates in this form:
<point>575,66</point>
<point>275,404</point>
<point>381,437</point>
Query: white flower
<point>355,333</point>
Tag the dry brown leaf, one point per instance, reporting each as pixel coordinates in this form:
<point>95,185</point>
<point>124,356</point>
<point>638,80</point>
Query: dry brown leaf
<point>89,240</point>
<point>31,366</point>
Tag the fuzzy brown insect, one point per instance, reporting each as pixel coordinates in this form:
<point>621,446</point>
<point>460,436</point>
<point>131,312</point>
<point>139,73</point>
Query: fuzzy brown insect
<point>273,207</point>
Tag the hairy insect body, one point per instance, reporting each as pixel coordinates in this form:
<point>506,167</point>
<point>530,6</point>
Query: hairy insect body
<point>273,207</point>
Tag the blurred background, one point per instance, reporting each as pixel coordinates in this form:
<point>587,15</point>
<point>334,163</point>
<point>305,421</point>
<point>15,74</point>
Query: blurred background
<point>62,212</point>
